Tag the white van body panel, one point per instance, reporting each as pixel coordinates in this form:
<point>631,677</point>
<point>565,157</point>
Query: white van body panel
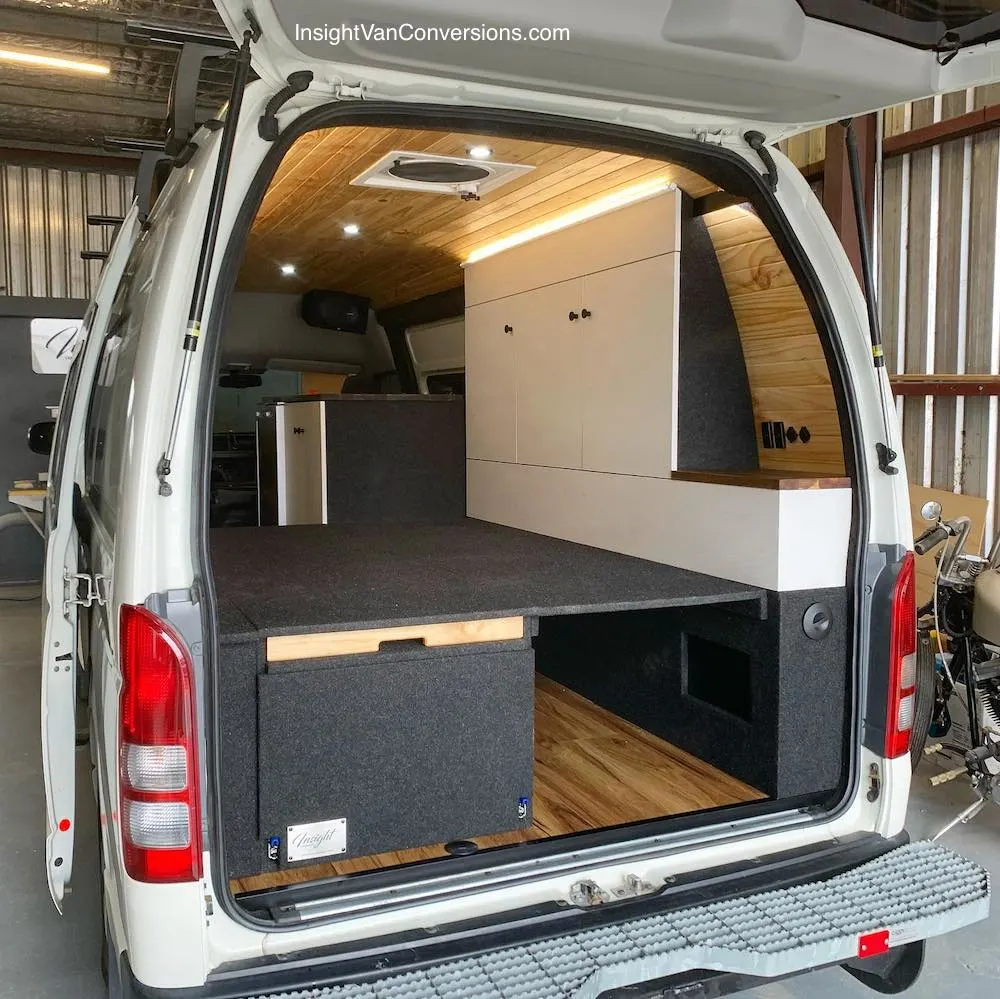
<point>176,934</point>
<point>713,64</point>
<point>59,645</point>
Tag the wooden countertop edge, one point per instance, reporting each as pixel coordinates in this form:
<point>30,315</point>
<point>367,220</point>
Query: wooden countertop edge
<point>766,479</point>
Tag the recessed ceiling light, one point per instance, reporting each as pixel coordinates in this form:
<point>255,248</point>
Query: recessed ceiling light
<point>351,229</point>
<point>480,152</point>
<point>288,269</point>
<point>54,62</point>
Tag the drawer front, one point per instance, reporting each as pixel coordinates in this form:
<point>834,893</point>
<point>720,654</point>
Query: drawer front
<point>408,752</point>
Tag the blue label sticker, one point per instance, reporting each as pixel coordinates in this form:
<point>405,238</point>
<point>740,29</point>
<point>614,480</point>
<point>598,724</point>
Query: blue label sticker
<point>273,847</point>
<point>522,808</point>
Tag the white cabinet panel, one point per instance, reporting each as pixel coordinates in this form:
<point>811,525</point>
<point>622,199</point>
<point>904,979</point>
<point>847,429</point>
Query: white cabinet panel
<point>629,360</point>
<point>780,539</point>
<point>301,439</point>
<point>547,346</point>
<point>646,228</point>
<point>489,380</point>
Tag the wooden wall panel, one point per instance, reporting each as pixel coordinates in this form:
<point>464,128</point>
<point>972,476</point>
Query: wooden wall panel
<point>786,367</point>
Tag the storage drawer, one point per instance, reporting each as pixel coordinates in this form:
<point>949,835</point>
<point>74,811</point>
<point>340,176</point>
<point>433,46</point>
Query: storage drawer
<point>408,750</point>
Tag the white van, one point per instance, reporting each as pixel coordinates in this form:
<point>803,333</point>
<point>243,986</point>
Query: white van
<point>575,655</point>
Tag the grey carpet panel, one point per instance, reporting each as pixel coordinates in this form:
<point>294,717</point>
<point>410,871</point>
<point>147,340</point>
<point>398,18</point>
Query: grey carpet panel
<point>715,423</point>
<point>395,459</point>
<point>234,625</point>
<point>423,750</point>
<point>340,577</point>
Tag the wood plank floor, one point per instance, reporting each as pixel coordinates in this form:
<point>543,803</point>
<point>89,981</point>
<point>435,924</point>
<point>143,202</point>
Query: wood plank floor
<point>592,769</point>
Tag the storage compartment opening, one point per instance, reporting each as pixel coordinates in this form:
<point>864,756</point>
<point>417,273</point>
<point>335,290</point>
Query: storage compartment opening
<point>509,591</point>
<point>718,676</point>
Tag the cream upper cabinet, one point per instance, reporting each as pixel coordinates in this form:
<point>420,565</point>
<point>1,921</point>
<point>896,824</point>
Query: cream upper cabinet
<point>628,357</point>
<point>637,231</point>
<point>571,345</point>
<point>547,344</point>
<point>489,380</point>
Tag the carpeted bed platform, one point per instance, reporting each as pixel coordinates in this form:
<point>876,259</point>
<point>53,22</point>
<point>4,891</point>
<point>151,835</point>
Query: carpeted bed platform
<point>284,580</point>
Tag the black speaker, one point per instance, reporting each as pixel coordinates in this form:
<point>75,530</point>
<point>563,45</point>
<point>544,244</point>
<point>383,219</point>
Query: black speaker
<point>336,310</point>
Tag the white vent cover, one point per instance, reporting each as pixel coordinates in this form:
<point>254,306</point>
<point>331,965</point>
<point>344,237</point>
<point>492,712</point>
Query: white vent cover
<point>405,171</point>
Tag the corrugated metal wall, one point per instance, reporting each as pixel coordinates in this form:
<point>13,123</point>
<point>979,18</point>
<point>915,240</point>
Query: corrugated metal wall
<point>938,249</point>
<point>43,228</point>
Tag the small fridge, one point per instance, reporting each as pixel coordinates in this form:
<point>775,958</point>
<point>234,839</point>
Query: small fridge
<point>362,459</point>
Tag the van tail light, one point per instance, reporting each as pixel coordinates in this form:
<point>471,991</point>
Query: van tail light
<point>160,813</point>
<point>902,662</point>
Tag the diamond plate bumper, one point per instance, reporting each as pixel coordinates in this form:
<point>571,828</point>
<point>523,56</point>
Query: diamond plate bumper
<point>916,891</point>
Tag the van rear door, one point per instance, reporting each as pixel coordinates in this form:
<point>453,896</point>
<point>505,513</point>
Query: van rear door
<point>66,590</point>
<point>777,66</point>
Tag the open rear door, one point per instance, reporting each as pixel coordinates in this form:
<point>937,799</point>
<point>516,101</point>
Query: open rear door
<point>777,66</point>
<point>65,591</point>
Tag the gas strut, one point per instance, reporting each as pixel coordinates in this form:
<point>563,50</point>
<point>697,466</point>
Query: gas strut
<point>886,455</point>
<point>208,241</point>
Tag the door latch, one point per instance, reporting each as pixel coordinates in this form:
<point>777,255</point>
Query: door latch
<point>633,886</point>
<point>589,893</point>
<point>874,783</point>
<point>84,590</point>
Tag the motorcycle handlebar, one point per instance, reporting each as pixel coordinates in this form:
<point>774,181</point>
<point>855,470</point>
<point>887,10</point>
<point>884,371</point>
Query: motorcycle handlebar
<point>930,539</point>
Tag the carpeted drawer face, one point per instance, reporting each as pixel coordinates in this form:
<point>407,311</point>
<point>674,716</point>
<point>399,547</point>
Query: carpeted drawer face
<point>407,752</point>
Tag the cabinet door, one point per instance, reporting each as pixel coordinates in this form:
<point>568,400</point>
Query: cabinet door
<point>629,362</point>
<point>547,343</point>
<point>489,381</point>
<point>302,463</point>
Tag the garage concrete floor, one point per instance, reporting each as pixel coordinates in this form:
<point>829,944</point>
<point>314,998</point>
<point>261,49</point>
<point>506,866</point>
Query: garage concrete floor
<point>43,955</point>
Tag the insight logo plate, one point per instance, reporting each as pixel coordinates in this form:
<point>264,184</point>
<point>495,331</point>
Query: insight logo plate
<point>317,839</point>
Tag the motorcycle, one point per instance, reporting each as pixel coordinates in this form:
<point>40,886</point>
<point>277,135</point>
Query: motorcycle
<point>958,692</point>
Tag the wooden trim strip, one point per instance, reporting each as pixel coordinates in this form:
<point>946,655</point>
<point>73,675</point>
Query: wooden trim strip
<point>68,160</point>
<point>766,479</point>
<point>912,141</point>
<point>945,385</point>
<point>286,648</point>
<point>958,127</point>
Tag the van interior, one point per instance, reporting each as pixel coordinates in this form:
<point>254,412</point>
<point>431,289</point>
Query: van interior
<point>529,513</point>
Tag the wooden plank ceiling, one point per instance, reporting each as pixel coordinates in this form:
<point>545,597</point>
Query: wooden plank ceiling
<point>413,243</point>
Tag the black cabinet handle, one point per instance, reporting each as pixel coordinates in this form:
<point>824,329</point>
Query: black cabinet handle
<point>586,313</point>
<point>508,329</point>
<point>573,316</point>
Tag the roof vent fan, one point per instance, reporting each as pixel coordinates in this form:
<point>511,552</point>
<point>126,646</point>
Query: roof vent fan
<point>466,178</point>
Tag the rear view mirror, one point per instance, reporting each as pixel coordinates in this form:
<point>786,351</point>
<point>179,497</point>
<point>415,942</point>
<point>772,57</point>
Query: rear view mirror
<point>931,510</point>
<point>40,436</point>
<point>239,380</point>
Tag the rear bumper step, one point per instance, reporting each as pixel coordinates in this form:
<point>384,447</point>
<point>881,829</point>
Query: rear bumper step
<point>916,891</point>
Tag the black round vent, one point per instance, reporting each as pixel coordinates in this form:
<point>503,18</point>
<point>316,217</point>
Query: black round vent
<point>436,172</point>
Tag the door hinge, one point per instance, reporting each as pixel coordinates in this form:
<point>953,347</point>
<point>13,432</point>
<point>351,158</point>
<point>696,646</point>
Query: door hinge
<point>716,136</point>
<point>84,590</point>
<point>349,91</point>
